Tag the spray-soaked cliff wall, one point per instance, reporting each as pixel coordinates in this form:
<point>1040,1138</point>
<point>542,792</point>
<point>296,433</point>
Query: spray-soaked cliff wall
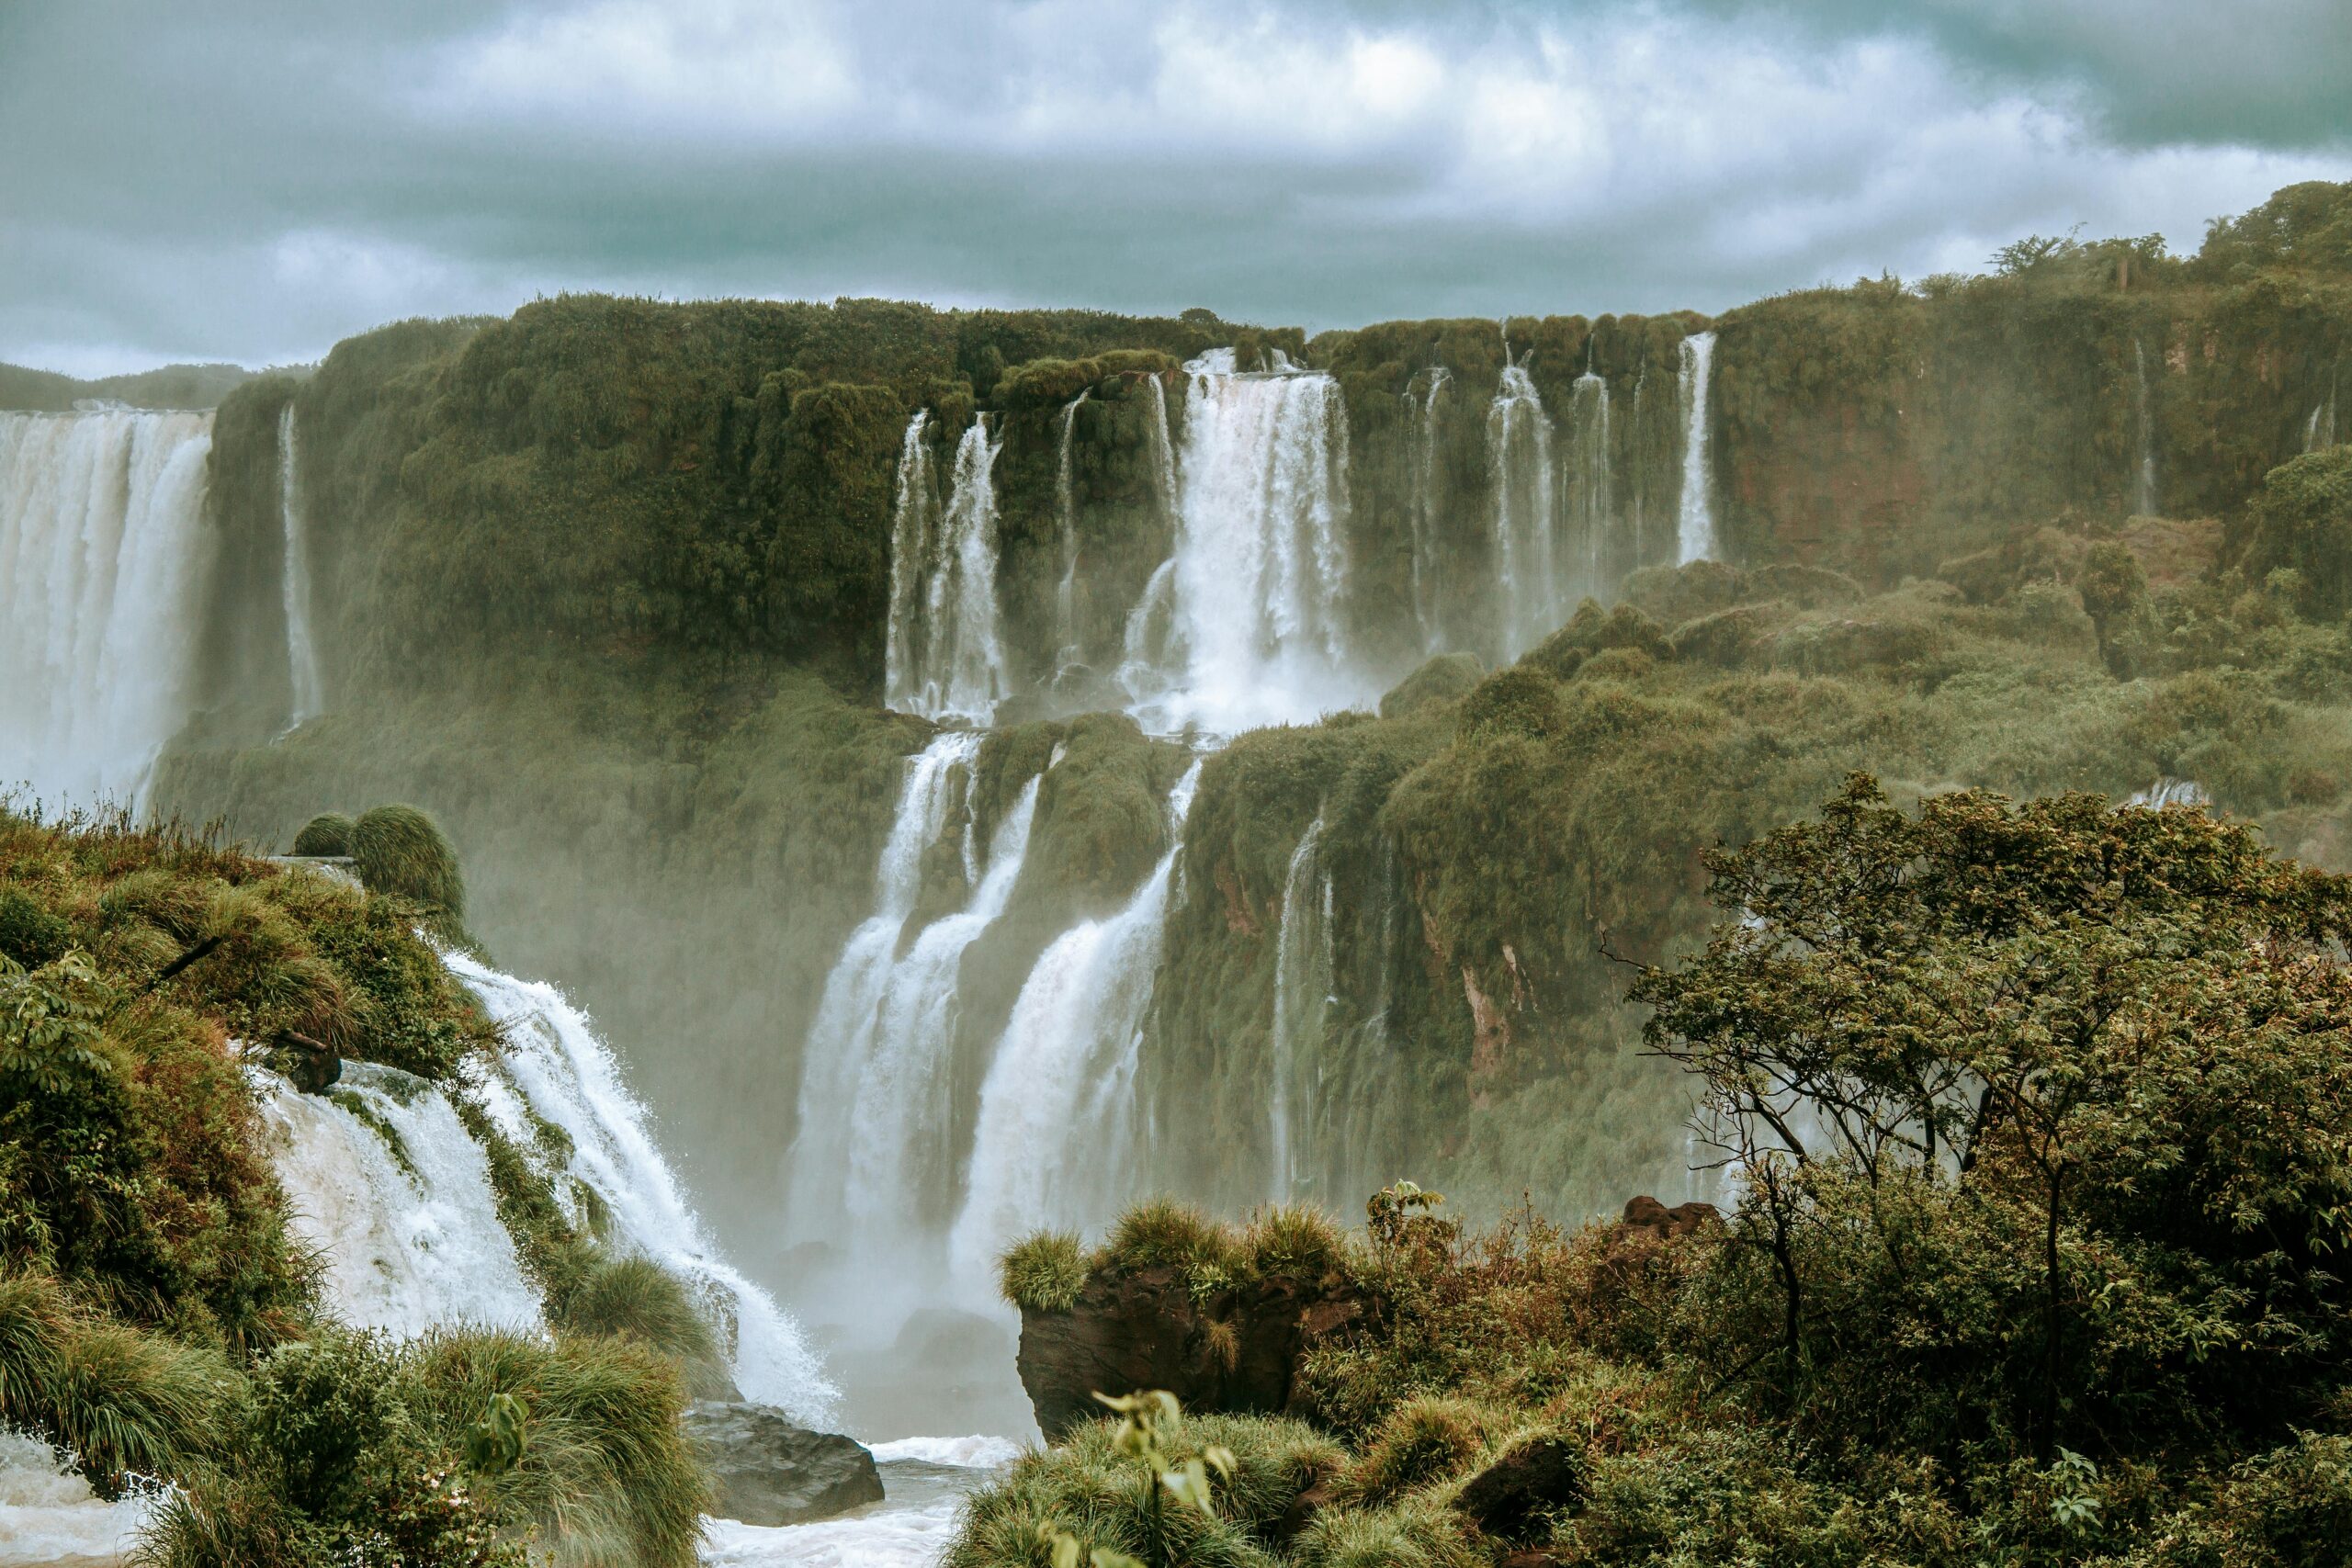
<point>609,587</point>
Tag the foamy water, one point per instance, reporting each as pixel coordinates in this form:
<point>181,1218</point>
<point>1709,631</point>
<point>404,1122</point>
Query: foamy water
<point>924,1479</point>
<point>54,1519</point>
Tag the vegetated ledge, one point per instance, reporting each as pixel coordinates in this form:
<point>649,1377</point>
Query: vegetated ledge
<point>159,1319</point>
<point>2085,1313</point>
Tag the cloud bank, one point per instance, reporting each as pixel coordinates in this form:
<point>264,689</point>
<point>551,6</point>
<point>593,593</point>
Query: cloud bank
<point>234,185</point>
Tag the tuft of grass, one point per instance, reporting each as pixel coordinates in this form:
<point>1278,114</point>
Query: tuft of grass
<point>1424,1440</point>
<point>606,1475</point>
<point>402,852</point>
<point>1296,1239</point>
<point>1161,1231</point>
<point>626,1297</point>
<point>1415,1534</point>
<point>1044,1271</point>
<point>329,833</point>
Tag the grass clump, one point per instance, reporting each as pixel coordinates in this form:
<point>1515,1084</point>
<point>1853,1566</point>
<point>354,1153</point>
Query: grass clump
<point>1161,1232</point>
<point>1428,1439</point>
<point>1045,1271</point>
<point>401,851</point>
<point>329,833</point>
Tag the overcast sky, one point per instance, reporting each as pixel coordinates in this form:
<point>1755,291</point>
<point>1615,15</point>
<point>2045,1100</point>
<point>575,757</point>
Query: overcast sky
<point>219,181</point>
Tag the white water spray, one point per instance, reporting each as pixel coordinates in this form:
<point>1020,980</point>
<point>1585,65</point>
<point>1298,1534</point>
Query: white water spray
<point>1519,456</point>
<point>945,656</point>
<point>395,1197</point>
<point>1056,1105</point>
<point>1695,538</point>
<point>1592,502</point>
<point>1259,587</point>
<point>1424,514</point>
<point>294,581</point>
<point>553,1069</point>
<point>1067,651</point>
<point>102,568</point>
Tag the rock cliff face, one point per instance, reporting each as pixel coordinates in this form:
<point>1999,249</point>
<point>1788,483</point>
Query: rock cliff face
<point>1238,1351</point>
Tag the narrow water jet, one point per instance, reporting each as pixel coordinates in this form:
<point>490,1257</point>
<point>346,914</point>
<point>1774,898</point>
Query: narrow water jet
<point>104,563</point>
<point>1695,538</point>
<point>1591,499</point>
<point>302,648</point>
<point>945,657</point>
<point>1056,1120</point>
<point>1519,459</point>
<point>1426,609</point>
<point>1301,990</point>
<point>2144,419</point>
<point>1067,651</point>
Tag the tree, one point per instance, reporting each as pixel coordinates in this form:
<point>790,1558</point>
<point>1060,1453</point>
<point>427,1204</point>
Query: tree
<point>2056,1092</point>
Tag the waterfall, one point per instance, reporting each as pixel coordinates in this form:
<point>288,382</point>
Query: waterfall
<point>1424,508</point>
<point>102,568</point>
<point>1518,454</point>
<point>50,1519</point>
<point>553,1070</point>
<point>1260,569</point>
<point>1066,513</point>
<point>1302,989</point>
<point>386,1185</point>
<point>302,653</point>
<point>1695,539</point>
<point>945,657</point>
<point>2143,417</point>
<point>2319,431</point>
<point>1163,452</point>
<point>1056,1105</point>
<point>1592,505</point>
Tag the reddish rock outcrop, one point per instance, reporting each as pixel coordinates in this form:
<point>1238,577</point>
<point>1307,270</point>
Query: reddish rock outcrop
<point>1647,1213</point>
<point>1238,1351</point>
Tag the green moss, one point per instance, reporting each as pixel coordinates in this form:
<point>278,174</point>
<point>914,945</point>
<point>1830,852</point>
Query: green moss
<point>401,851</point>
<point>1043,1272</point>
<point>1444,679</point>
<point>327,834</point>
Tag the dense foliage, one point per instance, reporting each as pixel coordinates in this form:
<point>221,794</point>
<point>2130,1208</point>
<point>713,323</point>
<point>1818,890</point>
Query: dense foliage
<point>2034,1120</point>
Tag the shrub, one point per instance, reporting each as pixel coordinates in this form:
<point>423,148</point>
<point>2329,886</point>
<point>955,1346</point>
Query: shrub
<point>1164,1232</point>
<point>1428,1439</point>
<point>1297,1240</point>
<point>1043,1272</point>
<point>1417,1534</point>
<point>634,1298</point>
<point>329,833</point>
<point>1446,678</point>
<point>402,852</point>
<point>28,934</point>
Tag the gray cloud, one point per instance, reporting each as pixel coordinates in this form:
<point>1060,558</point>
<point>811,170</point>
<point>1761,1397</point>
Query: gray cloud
<point>237,186</point>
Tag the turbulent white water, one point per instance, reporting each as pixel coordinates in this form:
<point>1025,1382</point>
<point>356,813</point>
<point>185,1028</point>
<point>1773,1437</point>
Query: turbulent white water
<point>1424,510</point>
<point>2171,792</point>
<point>104,563</point>
<point>301,649</point>
<point>1302,988</point>
<point>1257,589</point>
<point>2144,419</point>
<point>827,1183</point>
<point>1519,459</point>
<point>1695,536</point>
<point>925,1480</point>
<point>50,1517</point>
<point>1056,1106</point>
<point>945,654</point>
<point>553,1069</point>
<point>410,1239</point>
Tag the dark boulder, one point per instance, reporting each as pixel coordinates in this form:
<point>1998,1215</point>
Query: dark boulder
<point>1649,1214</point>
<point>1508,1500</point>
<point>1236,1352</point>
<point>768,1470</point>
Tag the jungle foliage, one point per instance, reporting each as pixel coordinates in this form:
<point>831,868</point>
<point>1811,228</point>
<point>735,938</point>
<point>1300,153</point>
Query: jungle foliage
<point>2034,1114</point>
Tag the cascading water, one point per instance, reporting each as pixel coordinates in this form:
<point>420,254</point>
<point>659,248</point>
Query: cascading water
<point>386,1186</point>
<point>1259,577</point>
<point>1163,451</point>
<point>552,1070</point>
<point>1592,505</point>
<point>50,1519</point>
<point>301,651</point>
<point>1301,990</point>
<point>1519,456</point>
<point>103,567</point>
<point>2144,419</point>
<point>1424,512</point>
<point>1695,538</point>
<point>2319,430</point>
<point>841,1040</point>
<point>1055,1106</point>
<point>1066,513</point>
<point>945,654</point>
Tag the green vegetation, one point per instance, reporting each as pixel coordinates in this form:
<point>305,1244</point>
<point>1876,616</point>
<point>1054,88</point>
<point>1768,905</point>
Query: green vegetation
<point>157,1316</point>
<point>399,851</point>
<point>329,833</point>
<point>2037,1112</point>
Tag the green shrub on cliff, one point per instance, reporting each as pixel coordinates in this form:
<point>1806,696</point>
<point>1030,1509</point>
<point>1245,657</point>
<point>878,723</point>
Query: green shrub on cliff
<point>329,833</point>
<point>2302,521</point>
<point>1043,1272</point>
<point>401,851</point>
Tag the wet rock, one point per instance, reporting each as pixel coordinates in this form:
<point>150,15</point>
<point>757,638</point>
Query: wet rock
<point>1236,1352</point>
<point>769,1470</point>
<point>1647,1213</point>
